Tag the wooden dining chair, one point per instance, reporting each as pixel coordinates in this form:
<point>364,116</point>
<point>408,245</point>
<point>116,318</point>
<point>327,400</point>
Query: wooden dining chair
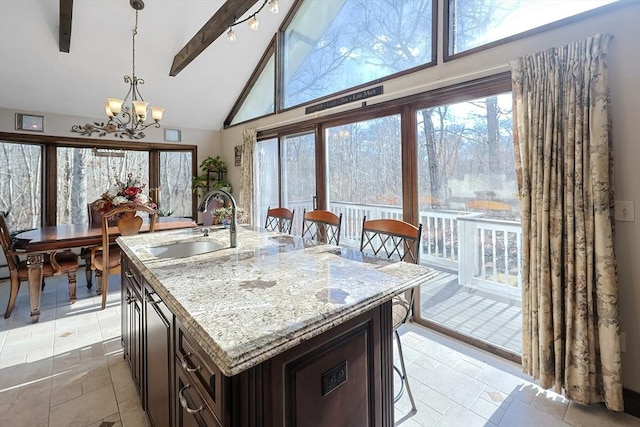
<point>321,226</point>
<point>58,263</point>
<point>398,240</point>
<point>105,259</point>
<point>93,218</point>
<point>279,219</point>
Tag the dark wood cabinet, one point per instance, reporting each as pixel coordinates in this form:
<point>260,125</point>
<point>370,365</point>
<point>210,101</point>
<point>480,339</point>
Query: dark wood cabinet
<point>131,312</point>
<point>158,359</point>
<point>338,378</point>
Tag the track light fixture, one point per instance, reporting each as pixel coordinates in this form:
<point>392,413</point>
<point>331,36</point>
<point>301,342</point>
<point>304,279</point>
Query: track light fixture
<point>252,20</point>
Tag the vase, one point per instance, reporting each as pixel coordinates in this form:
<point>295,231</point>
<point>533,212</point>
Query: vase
<point>129,223</point>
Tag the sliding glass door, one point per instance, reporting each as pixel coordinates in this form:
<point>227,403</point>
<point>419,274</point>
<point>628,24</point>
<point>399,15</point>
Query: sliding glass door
<point>286,175</point>
<point>364,173</point>
<point>468,207</point>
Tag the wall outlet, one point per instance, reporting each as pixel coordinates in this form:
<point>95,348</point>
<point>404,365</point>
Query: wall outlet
<point>624,210</point>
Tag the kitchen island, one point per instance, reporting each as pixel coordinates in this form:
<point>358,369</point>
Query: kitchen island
<point>277,331</point>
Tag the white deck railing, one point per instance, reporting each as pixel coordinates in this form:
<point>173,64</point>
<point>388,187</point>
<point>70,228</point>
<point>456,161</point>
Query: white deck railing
<point>485,252</point>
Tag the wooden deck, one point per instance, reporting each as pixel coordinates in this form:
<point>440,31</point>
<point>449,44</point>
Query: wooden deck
<point>491,318</point>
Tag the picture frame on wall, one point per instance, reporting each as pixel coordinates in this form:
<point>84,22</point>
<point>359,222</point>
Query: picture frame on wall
<point>238,155</point>
<point>29,122</point>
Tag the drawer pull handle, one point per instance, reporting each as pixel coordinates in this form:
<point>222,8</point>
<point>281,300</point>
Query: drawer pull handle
<point>150,300</point>
<point>128,274</point>
<point>185,404</point>
<point>185,364</point>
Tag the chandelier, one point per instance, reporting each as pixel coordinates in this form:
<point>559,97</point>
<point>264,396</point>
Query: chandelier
<point>252,19</point>
<point>125,120</point>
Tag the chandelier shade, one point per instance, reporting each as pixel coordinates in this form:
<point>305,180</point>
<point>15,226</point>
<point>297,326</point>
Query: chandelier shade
<point>126,120</point>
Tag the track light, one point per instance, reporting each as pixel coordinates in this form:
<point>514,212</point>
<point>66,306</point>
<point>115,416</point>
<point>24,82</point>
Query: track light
<point>253,23</point>
<point>252,20</point>
<point>231,36</point>
<point>273,6</point>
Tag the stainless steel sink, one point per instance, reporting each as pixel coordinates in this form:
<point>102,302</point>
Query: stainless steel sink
<point>185,249</point>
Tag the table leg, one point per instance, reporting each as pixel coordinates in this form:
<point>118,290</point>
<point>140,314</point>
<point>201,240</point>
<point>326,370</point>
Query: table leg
<point>34,262</point>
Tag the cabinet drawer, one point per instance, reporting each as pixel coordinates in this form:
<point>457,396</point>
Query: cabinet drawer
<point>191,409</point>
<point>200,370</point>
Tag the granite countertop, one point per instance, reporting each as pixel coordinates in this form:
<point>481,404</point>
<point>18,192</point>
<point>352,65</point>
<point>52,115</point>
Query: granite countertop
<point>245,305</point>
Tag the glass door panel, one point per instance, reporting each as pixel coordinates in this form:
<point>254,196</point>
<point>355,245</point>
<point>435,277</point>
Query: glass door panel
<point>267,193</point>
<point>298,176</point>
<point>469,211</point>
<point>174,196</point>
<point>364,173</point>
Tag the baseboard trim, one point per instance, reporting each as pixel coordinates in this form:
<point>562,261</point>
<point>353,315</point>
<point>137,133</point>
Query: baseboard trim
<point>631,402</point>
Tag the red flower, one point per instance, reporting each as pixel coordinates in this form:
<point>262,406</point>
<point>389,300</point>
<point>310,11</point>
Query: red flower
<point>131,192</point>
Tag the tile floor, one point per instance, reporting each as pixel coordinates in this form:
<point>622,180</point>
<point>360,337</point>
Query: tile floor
<point>67,370</point>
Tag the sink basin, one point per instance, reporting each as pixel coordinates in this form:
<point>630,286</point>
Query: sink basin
<point>184,249</point>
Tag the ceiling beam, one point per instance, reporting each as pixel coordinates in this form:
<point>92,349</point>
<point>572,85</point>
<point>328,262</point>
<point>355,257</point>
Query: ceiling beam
<point>218,24</point>
<point>64,35</point>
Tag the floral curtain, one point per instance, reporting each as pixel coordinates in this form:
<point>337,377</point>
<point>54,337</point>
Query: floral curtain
<point>571,335</point>
<point>247,196</point>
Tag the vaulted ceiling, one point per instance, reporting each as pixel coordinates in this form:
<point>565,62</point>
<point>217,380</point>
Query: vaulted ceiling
<point>35,75</point>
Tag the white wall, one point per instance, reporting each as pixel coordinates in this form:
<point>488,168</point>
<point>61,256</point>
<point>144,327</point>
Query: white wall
<point>624,71</point>
<point>208,141</point>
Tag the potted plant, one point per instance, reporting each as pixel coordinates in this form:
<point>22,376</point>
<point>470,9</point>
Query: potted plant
<point>222,185</point>
<point>199,182</point>
<point>213,164</point>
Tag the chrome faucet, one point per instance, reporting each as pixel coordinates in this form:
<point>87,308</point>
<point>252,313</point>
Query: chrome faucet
<point>202,207</point>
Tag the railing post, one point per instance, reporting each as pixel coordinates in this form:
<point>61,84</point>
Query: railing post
<point>467,248</point>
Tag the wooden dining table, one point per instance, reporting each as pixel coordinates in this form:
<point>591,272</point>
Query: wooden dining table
<point>39,242</point>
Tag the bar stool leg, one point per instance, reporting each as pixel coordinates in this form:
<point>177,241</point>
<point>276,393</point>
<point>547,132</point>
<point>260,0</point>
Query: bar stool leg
<point>403,375</point>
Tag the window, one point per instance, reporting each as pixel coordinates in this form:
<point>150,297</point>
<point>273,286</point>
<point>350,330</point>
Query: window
<point>83,175</point>
<point>260,100</point>
<point>174,197</point>
<point>81,170</point>
<point>298,175</point>
<point>21,184</point>
<point>267,183</point>
<point>364,173</point>
<point>473,23</point>
<point>331,46</point>
<point>470,217</point>
<point>465,156</point>
<point>296,187</point>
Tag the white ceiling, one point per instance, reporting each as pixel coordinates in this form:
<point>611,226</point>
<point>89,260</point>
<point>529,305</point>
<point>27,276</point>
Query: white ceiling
<point>36,76</point>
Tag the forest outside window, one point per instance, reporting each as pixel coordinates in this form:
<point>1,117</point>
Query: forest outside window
<point>331,46</point>
<point>21,184</point>
<point>84,175</point>
<point>475,23</point>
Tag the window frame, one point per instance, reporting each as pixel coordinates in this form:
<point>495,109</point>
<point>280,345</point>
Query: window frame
<point>50,144</point>
<point>447,56</point>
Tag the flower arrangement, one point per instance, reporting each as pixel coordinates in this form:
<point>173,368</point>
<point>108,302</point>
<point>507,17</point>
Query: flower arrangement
<point>124,192</point>
<point>223,215</point>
